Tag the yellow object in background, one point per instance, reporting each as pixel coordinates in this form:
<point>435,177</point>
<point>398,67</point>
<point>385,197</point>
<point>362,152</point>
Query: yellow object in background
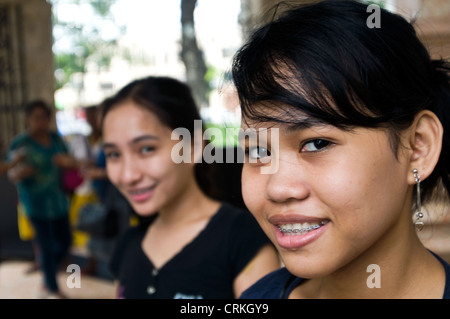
<point>80,238</point>
<point>26,231</point>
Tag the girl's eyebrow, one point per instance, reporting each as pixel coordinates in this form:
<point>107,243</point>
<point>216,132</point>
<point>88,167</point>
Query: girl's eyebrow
<point>133,141</point>
<point>306,123</point>
<point>143,138</point>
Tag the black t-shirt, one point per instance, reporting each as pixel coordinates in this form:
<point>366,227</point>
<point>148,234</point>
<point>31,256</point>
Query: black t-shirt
<point>205,268</point>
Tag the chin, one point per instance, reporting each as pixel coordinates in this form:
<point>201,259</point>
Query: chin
<point>307,267</point>
<point>144,209</point>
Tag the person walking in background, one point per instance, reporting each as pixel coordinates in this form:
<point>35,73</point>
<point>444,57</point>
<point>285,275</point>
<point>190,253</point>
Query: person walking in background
<point>38,178</point>
<point>188,244</point>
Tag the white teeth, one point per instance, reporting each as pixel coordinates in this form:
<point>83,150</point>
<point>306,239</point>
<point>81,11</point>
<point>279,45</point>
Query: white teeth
<point>140,191</point>
<point>297,228</point>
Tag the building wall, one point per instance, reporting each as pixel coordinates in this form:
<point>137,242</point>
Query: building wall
<point>432,22</point>
<point>433,19</point>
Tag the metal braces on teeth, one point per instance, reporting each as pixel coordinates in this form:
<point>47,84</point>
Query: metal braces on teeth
<point>301,230</point>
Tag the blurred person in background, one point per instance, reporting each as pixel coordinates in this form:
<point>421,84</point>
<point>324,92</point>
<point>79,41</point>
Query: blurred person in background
<point>86,150</point>
<point>38,178</point>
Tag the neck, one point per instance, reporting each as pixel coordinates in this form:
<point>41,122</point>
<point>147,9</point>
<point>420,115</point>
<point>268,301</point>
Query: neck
<point>38,134</point>
<point>191,204</point>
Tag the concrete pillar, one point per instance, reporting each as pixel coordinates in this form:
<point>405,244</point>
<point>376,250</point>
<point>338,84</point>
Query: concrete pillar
<point>26,61</point>
<point>37,49</point>
<point>26,73</point>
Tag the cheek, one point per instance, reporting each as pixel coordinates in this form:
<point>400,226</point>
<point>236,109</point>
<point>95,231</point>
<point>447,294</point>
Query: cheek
<point>171,177</point>
<point>113,172</point>
<point>365,196</point>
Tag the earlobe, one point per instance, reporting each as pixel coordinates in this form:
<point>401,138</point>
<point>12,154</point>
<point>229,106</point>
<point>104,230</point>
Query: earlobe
<point>425,143</point>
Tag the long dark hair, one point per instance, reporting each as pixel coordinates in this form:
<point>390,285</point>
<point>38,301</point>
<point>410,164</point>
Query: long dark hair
<point>172,102</point>
<point>324,61</point>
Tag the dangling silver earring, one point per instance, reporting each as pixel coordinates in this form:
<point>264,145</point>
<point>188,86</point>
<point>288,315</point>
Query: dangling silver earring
<point>419,215</point>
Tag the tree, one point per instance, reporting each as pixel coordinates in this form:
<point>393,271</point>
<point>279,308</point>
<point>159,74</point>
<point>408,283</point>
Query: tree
<point>86,41</point>
<point>191,54</point>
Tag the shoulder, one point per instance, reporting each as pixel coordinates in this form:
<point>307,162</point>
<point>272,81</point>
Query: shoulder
<point>270,286</point>
<point>127,245</point>
<point>129,241</point>
<point>132,234</point>
<point>240,227</point>
<point>18,140</point>
<point>236,216</point>
<point>57,138</point>
<point>240,224</point>
<point>447,274</point>
<point>447,278</point>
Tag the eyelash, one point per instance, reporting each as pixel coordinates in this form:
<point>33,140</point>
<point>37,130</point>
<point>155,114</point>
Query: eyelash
<point>316,140</point>
<point>143,151</point>
<point>319,148</point>
<point>147,148</point>
<point>111,155</point>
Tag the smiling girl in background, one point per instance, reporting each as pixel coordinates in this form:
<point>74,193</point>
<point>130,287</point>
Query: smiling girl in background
<point>363,119</point>
<point>190,246</point>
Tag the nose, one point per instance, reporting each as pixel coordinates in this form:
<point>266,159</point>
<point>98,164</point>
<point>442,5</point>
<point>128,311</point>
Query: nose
<point>130,173</point>
<point>287,183</point>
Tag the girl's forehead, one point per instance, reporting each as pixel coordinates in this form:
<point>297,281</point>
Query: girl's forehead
<point>287,122</point>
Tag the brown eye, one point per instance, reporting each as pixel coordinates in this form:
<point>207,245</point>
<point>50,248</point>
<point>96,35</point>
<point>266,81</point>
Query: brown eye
<point>147,149</point>
<point>315,145</point>
<point>111,155</point>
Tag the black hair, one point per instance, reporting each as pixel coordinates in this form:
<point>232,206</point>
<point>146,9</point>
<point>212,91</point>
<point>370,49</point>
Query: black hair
<point>324,62</point>
<point>172,102</point>
<point>37,104</point>
<point>169,98</point>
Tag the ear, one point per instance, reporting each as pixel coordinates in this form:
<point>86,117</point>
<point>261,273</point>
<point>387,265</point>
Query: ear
<point>425,143</point>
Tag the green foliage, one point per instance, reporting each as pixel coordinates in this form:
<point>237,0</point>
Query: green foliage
<point>86,41</point>
<point>66,65</point>
<point>102,7</point>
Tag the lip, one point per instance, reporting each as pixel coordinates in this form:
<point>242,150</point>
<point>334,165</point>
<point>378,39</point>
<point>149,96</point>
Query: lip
<point>144,194</point>
<point>293,218</point>
<point>293,242</point>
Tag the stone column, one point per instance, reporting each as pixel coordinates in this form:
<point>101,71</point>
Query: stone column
<point>26,61</point>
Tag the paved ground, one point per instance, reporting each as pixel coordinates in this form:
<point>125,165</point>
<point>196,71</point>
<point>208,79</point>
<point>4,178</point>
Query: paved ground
<point>16,284</point>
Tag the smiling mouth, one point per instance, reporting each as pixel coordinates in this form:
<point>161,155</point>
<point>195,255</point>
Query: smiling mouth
<point>300,228</point>
<point>140,191</point>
